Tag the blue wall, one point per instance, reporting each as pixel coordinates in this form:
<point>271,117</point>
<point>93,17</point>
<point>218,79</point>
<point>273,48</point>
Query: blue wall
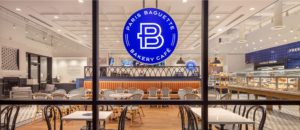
<point>288,51</point>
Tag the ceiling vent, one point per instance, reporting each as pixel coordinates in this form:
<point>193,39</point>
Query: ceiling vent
<point>40,21</point>
<point>70,36</point>
<point>238,17</point>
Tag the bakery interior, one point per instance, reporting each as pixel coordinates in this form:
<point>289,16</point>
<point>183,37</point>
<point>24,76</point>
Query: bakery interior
<point>253,54</point>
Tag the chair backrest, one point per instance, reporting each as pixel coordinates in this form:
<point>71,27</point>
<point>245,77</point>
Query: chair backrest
<point>191,96</point>
<point>58,96</point>
<point>181,94</point>
<point>135,97</point>
<point>9,121</point>
<point>152,92</point>
<point>139,91</point>
<point>107,93</point>
<point>165,92</point>
<point>61,91</point>
<point>213,92</point>
<point>132,90</point>
<point>263,118</point>
<point>119,90</point>
<point>121,125</point>
<point>188,90</point>
<point>192,120</point>
<point>182,116</point>
<point>82,91</point>
<point>49,88</point>
<point>48,121</point>
<point>75,91</point>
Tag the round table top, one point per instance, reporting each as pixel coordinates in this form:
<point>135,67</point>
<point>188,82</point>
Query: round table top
<point>120,95</point>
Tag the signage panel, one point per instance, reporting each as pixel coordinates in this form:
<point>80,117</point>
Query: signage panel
<point>190,66</point>
<point>150,35</point>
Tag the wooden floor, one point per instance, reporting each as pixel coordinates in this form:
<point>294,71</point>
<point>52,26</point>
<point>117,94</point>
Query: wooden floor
<point>155,119</point>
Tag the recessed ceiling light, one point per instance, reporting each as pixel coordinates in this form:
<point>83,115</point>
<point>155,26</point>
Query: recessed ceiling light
<point>58,30</point>
<point>218,16</point>
<point>81,1</point>
<point>285,40</point>
<point>220,29</point>
<point>279,34</point>
<point>106,28</point>
<point>184,1</point>
<point>296,37</point>
<point>246,44</point>
<point>235,48</point>
<point>270,38</point>
<point>254,48</point>
<point>184,45</point>
<point>18,9</point>
<point>252,8</point>
<point>84,35</point>
<point>276,43</point>
<point>196,35</point>
<point>117,41</point>
<point>56,17</point>
<point>261,40</point>
<point>253,42</point>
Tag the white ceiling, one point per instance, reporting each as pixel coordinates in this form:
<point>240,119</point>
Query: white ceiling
<point>74,18</point>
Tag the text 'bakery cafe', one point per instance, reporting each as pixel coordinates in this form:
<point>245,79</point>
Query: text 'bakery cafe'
<point>149,65</point>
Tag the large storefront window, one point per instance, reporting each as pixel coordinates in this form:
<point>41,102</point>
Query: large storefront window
<point>149,64</point>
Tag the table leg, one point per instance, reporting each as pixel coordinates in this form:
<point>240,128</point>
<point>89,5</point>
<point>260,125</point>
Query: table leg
<point>238,94</point>
<point>222,126</point>
<point>269,107</point>
<point>256,96</point>
<point>248,94</point>
<point>230,94</point>
<point>209,127</point>
<point>220,92</point>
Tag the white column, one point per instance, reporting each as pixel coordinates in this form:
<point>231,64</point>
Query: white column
<point>242,37</point>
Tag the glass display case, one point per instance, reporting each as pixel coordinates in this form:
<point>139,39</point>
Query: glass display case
<point>280,83</point>
<point>285,72</point>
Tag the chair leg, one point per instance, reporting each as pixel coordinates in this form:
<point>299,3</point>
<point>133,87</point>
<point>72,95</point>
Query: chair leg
<point>131,113</point>
<point>142,111</point>
<point>140,115</point>
<point>34,116</point>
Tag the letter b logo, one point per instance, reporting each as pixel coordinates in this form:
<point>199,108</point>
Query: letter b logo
<point>150,36</point>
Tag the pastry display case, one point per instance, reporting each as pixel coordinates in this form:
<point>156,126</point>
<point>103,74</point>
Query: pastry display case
<point>280,83</point>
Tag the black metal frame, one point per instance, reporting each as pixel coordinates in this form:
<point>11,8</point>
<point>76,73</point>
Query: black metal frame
<point>204,69</point>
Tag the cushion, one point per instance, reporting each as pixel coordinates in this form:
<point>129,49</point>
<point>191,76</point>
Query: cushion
<point>49,88</point>
<point>20,88</point>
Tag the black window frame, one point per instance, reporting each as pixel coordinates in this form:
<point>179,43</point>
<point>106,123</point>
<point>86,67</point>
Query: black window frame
<point>204,80</point>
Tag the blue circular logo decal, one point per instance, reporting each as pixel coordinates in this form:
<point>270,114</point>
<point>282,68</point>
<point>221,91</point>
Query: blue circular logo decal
<point>150,35</point>
<point>190,66</point>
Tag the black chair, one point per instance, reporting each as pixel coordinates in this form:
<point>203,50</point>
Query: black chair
<point>7,118</point>
<point>192,120</point>
<point>54,110</point>
<point>121,125</point>
<point>183,125</point>
<point>263,119</point>
<point>233,126</point>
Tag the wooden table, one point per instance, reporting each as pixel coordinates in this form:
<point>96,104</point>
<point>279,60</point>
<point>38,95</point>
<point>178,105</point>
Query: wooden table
<point>221,88</point>
<point>221,116</point>
<point>119,95</point>
<point>103,116</point>
<point>269,93</point>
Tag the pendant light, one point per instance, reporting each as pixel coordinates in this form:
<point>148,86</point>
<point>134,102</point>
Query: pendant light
<point>216,61</point>
<point>180,61</point>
